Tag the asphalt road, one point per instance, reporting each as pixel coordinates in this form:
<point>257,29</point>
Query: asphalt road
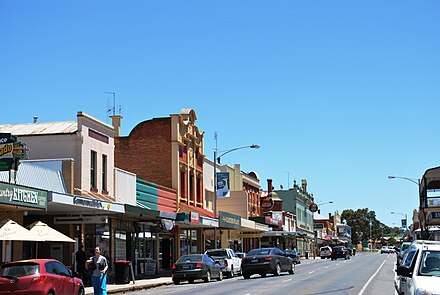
<point>363,274</point>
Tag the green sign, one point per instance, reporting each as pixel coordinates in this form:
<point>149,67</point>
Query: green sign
<point>10,152</point>
<point>22,196</point>
<point>228,220</point>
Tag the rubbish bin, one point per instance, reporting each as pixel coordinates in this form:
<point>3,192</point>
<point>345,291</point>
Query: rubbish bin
<point>122,271</point>
<point>307,254</point>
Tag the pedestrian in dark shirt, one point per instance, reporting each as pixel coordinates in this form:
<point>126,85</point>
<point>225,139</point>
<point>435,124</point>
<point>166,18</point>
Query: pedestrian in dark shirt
<point>80,257</point>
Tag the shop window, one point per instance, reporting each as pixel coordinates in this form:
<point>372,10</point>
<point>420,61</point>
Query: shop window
<point>93,159</point>
<point>104,173</point>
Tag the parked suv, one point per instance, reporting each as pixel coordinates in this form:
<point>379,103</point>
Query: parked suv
<point>419,271</point>
<point>340,252</point>
<point>325,252</point>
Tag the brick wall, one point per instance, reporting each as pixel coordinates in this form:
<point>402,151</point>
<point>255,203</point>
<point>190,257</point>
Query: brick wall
<point>147,151</point>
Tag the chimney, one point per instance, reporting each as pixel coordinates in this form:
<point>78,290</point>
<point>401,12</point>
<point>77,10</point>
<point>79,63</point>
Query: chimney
<point>269,185</point>
<point>304,184</point>
<point>35,119</point>
<point>116,122</point>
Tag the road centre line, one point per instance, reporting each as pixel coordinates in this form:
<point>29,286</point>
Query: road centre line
<point>371,278</point>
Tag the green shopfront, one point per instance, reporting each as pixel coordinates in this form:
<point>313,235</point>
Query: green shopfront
<point>16,202</point>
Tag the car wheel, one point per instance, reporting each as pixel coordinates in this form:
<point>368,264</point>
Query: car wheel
<point>191,281</point>
<point>246,276</point>
<point>208,277</point>
<point>220,276</point>
<point>277,270</point>
<point>292,269</point>
<point>176,282</point>
<point>322,257</point>
<point>81,291</point>
<point>263,275</point>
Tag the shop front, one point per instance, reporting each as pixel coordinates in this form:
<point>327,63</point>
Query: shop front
<point>16,201</point>
<point>194,232</point>
<point>249,236</point>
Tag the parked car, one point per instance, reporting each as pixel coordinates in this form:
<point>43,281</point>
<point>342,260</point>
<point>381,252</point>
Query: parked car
<point>196,266</point>
<point>229,261</point>
<point>266,260</point>
<point>39,276</point>
<point>419,272</point>
<point>294,255</point>
<point>401,252</point>
<point>325,252</point>
<point>340,252</point>
<point>385,249</point>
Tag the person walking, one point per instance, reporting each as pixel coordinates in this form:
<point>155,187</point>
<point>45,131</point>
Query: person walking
<point>99,266</point>
<point>80,258</point>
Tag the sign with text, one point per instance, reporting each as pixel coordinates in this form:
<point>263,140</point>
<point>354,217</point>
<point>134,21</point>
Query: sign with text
<point>229,220</point>
<point>10,151</point>
<point>22,196</point>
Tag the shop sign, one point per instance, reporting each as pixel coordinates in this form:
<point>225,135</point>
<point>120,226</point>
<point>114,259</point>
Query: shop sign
<point>266,203</point>
<point>229,220</point>
<point>90,203</point>
<point>209,221</point>
<point>10,151</point>
<point>271,221</point>
<point>194,217</point>
<point>22,196</point>
<point>81,220</point>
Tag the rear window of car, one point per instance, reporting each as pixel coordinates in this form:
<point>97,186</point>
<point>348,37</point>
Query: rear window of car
<point>19,270</point>
<point>190,258</point>
<point>217,253</point>
<point>259,252</point>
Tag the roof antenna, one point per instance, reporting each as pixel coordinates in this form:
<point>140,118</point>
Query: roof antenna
<point>111,109</point>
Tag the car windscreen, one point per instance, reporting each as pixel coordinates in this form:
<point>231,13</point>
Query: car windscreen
<point>263,251</point>
<point>430,263</point>
<point>191,258</point>
<point>19,269</point>
<point>217,253</point>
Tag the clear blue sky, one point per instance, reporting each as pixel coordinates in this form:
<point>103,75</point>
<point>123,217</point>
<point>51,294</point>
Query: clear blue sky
<point>341,93</point>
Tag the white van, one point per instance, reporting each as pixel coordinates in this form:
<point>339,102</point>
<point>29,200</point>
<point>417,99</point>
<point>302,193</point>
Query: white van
<point>419,272</point>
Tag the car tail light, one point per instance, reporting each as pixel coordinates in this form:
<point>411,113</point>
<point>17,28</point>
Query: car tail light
<point>38,279</point>
<point>174,266</point>
<point>225,262</point>
<point>267,258</point>
<point>198,265</point>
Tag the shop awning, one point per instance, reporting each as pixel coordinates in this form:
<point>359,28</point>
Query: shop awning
<point>278,233</point>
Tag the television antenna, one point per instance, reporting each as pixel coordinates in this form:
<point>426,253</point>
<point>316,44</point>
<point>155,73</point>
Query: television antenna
<point>112,108</point>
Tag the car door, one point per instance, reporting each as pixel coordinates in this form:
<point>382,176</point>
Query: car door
<point>67,281</point>
<point>53,280</point>
<point>215,268</point>
<point>409,261</point>
<point>285,261</point>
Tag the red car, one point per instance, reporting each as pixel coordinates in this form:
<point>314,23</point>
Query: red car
<point>39,277</point>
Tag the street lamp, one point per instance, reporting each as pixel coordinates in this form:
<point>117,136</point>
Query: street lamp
<point>416,181</point>
<point>323,203</point>
<point>406,218</point>
<point>217,158</point>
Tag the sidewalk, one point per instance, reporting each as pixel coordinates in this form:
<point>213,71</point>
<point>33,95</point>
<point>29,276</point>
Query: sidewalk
<point>138,285</point>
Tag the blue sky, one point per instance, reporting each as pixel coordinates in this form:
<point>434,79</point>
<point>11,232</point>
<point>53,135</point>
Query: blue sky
<point>341,93</point>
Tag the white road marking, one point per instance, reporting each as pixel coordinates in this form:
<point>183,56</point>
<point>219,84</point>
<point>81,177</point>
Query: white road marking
<point>311,272</point>
<point>285,281</point>
<point>372,277</point>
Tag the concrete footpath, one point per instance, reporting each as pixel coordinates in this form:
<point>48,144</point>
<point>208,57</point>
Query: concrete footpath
<point>138,285</point>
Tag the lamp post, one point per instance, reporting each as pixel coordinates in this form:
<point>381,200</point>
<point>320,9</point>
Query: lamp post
<point>316,232</point>
<point>217,158</point>
<point>415,181</point>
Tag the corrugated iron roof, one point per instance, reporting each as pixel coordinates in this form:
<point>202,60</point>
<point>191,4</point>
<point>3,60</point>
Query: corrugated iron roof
<point>39,128</point>
<point>36,176</point>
